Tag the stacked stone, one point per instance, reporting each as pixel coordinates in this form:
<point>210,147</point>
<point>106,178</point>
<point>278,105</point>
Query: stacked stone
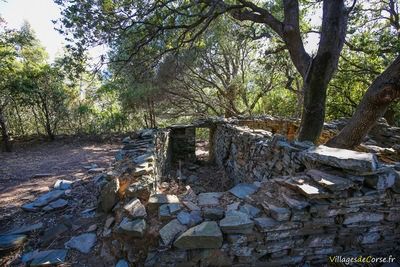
<point>253,155</point>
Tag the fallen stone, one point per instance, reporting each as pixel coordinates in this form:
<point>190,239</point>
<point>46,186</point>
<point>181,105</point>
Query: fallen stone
<point>108,195</point>
<point>63,184</point>
<point>26,229</point>
<point>30,207</point>
<point>341,158</point>
<point>148,157</point>
<point>55,205</point>
<point>137,189</point>
<point>41,175</point>
<point>48,257</point>
<point>83,242</point>
<point>202,236</point>
<point>11,241</point>
<point>213,213</point>
<point>52,233</point>
<point>233,206</point>
<point>45,199</point>
<point>311,191</point>
<point>135,228</point>
<point>170,231</point>
<point>243,190</point>
<point>211,199</point>
<point>236,222</point>
<point>135,209</point>
<point>122,263</point>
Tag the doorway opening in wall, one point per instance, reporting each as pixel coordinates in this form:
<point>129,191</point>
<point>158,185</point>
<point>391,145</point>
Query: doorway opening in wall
<point>202,144</point>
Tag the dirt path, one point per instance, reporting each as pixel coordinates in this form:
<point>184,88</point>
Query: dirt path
<point>63,159</point>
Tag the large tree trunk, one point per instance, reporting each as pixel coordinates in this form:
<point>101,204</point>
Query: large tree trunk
<point>322,68</point>
<point>383,91</point>
<point>4,132</point>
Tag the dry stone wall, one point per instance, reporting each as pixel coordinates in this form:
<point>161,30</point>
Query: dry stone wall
<point>292,203</point>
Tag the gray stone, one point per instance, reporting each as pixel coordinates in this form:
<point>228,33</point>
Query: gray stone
<point>53,233</point>
<point>48,257</point>
<point>63,184</point>
<point>204,235</point>
<point>213,213</point>
<point>236,222</point>
<point>148,157</point>
<point>126,140</point>
<point>278,213</point>
<point>332,182</point>
<point>83,242</point>
<point>45,199</point>
<point>341,158</point>
<point>26,229</point>
<point>264,224</point>
<point>159,199</point>
<point>250,210</point>
<point>137,190</point>
<point>164,213</point>
<point>30,207</point>
<point>382,180</point>
<point>122,263</point>
<point>190,219</point>
<point>170,231</point>
<point>135,228</point>
<point>190,205</point>
<point>211,199</point>
<point>55,205</point>
<point>295,203</point>
<point>135,209</point>
<point>243,190</point>
<point>363,217</point>
<point>108,195</point>
<point>11,241</point>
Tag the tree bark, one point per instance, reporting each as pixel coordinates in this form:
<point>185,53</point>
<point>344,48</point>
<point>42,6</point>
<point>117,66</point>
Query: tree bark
<point>383,91</point>
<point>4,132</point>
<point>322,68</point>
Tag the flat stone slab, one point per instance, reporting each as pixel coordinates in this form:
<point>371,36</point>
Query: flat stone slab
<point>53,233</point>
<point>202,236</point>
<point>190,219</point>
<point>47,257</point>
<point>243,190</point>
<point>45,199</point>
<point>26,229</point>
<point>135,228</point>
<point>250,210</point>
<point>96,170</point>
<point>214,213</point>
<point>236,222</point>
<point>170,231</point>
<point>83,242</point>
<point>63,184</point>
<point>278,213</point>
<point>135,209</point>
<point>329,181</point>
<point>209,199</point>
<point>108,195</point>
<point>160,199</point>
<point>341,158</point>
<point>11,241</point>
<point>55,205</point>
<point>363,217</point>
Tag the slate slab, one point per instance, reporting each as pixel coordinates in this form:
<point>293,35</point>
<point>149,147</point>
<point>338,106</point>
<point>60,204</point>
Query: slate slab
<point>45,199</point>
<point>134,228</point>
<point>83,242</point>
<point>341,158</point>
<point>58,204</point>
<point>63,184</point>
<point>202,236</point>
<point>26,229</point>
<point>170,231</point>
<point>11,241</point>
<point>209,199</point>
<point>49,257</point>
<point>135,209</point>
<point>236,222</point>
<point>243,190</point>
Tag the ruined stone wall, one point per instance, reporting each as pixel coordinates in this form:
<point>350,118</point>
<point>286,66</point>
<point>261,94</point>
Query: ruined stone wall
<point>249,155</point>
<point>292,203</point>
